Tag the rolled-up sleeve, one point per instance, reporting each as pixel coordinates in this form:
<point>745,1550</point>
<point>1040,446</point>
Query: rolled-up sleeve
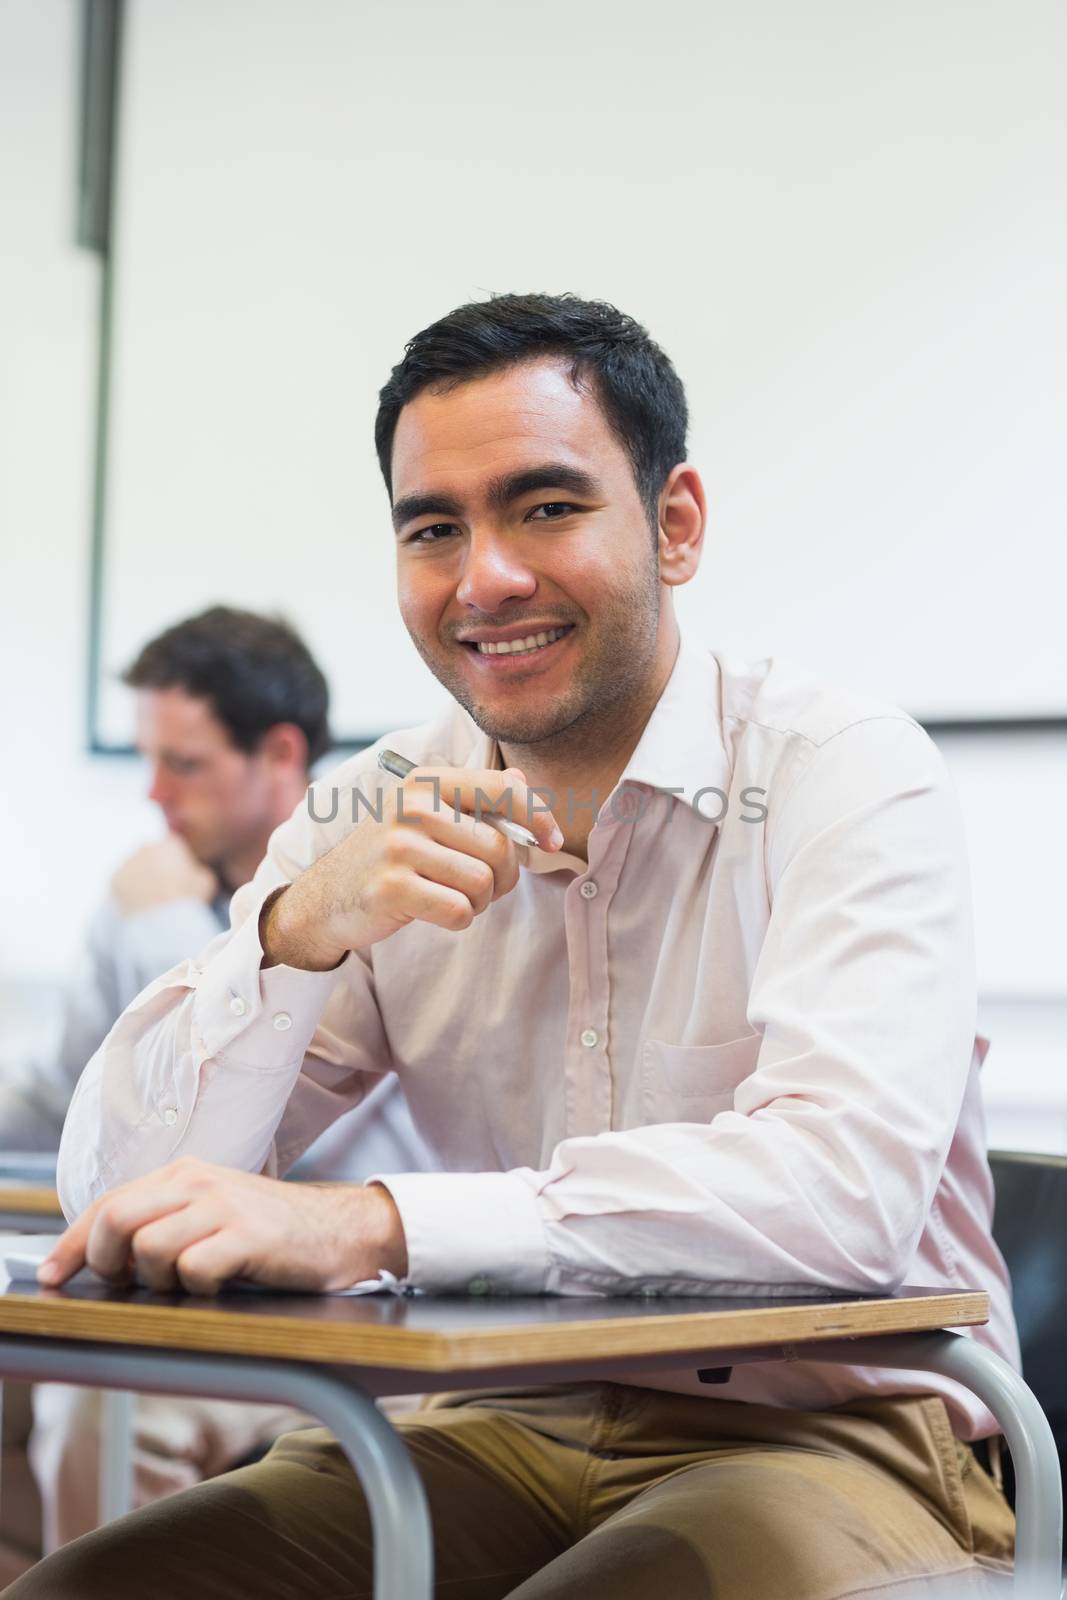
<point>823,1171</point>
<point>222,1060</point>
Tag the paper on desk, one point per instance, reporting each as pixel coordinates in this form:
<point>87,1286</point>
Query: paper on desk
<point>384,1283</point>
<point>21,1254</point>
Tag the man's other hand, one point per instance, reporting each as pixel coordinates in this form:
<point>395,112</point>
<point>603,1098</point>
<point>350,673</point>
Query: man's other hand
<point>159,873</point>
<point>191,1226</point>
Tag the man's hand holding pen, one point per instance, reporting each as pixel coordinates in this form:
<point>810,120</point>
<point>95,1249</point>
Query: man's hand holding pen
<point>430,859</point>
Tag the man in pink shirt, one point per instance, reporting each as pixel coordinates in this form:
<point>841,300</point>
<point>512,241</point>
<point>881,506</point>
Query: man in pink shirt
<point>714,1031</point>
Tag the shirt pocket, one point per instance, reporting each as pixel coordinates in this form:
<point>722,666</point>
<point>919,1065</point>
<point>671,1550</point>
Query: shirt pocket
<point>691,1082</point>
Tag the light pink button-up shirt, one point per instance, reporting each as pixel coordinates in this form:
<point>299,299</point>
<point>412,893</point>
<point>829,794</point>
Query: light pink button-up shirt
<point>734,1052</point>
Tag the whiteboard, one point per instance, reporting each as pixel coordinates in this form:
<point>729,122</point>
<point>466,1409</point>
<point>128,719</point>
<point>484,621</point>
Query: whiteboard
<point>845,222</point>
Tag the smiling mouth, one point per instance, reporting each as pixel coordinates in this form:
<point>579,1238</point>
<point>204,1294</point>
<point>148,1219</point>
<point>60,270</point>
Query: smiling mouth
<point>530,644</point>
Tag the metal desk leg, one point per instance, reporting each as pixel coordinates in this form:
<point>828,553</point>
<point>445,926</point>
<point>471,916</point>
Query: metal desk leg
<point>116,1454</point>
<point>1038,1489</point>
<point>400,1518</point>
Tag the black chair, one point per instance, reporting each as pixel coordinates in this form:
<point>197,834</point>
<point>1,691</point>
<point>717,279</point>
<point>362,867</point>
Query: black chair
<point>1030,1226</point>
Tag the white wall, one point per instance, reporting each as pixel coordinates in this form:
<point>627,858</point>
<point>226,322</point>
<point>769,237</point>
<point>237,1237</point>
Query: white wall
<point>64,818</point>
<point>836,218</point>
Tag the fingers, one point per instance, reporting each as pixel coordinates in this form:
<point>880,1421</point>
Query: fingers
<point>102,1236</point>
<point>459,832</point>
<point>157,1247</point>
<point>442,791</point>
<point>379,877</point>
<point>67,1255</point>
<point>420,899</point>
<point>452,851</point>
<point>110,1247</point>
<point>411,851</point>
<point>194,1225</point>
<point>203,1267</point>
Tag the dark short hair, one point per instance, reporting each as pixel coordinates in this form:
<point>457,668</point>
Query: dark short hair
<point>256,672</point>
<point>639,391</point>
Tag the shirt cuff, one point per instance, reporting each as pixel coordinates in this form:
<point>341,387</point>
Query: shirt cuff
<point>470,1232</point>
<point>262,1019</point>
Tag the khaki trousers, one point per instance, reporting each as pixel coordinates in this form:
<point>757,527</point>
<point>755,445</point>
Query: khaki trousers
<point>594,1491</point>
<point>177,1442</point>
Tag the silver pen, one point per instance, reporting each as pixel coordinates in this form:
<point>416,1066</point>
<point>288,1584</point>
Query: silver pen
<point>399,767</point>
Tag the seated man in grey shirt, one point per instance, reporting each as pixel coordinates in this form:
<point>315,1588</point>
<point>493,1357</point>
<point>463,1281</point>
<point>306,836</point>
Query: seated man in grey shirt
<point>231,714</point>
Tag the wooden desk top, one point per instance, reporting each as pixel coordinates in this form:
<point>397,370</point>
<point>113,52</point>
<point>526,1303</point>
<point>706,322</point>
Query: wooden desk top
<point>27,1199</point>
<point>458,1334</point>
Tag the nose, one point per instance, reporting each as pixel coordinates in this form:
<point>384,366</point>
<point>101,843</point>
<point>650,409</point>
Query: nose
<point>493,573</point>
<point>160,789</point>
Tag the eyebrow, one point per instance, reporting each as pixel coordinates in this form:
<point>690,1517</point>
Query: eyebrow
<point>181,756</point>
<point>501,492</point>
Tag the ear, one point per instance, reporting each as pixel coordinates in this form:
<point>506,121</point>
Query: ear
<point>285,745</point>
<point>682,519</point>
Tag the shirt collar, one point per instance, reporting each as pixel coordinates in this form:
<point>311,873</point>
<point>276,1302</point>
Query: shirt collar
<point>484,754</point>
<point>682,745</point>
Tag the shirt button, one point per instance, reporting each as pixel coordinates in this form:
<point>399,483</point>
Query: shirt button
<point>589,1037</point>
<point>170,1116</point>
<point>282,1020</point>
<point>589,890</point>
<point>237,1006</point>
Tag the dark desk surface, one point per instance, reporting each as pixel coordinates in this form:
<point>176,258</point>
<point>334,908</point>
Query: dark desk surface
<point>457,1334</point>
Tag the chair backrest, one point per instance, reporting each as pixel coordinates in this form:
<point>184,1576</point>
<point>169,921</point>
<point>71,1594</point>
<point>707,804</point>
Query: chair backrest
<point>1030,1226</point>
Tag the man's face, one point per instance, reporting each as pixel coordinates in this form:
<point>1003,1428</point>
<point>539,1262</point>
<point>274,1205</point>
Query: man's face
<point>212,794</point>
<point>517,515</point>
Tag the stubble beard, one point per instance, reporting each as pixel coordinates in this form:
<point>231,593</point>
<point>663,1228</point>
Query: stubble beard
<point>611,683</point>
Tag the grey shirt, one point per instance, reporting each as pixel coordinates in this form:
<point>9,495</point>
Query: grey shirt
<point>120,957</point>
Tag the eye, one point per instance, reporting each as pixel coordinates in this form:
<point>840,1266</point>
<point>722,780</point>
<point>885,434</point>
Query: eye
<point>431,535</point>
<point>561,507</point>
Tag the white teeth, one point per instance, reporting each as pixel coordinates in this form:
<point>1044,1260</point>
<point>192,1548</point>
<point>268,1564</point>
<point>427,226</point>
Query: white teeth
<point>512,647</point>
